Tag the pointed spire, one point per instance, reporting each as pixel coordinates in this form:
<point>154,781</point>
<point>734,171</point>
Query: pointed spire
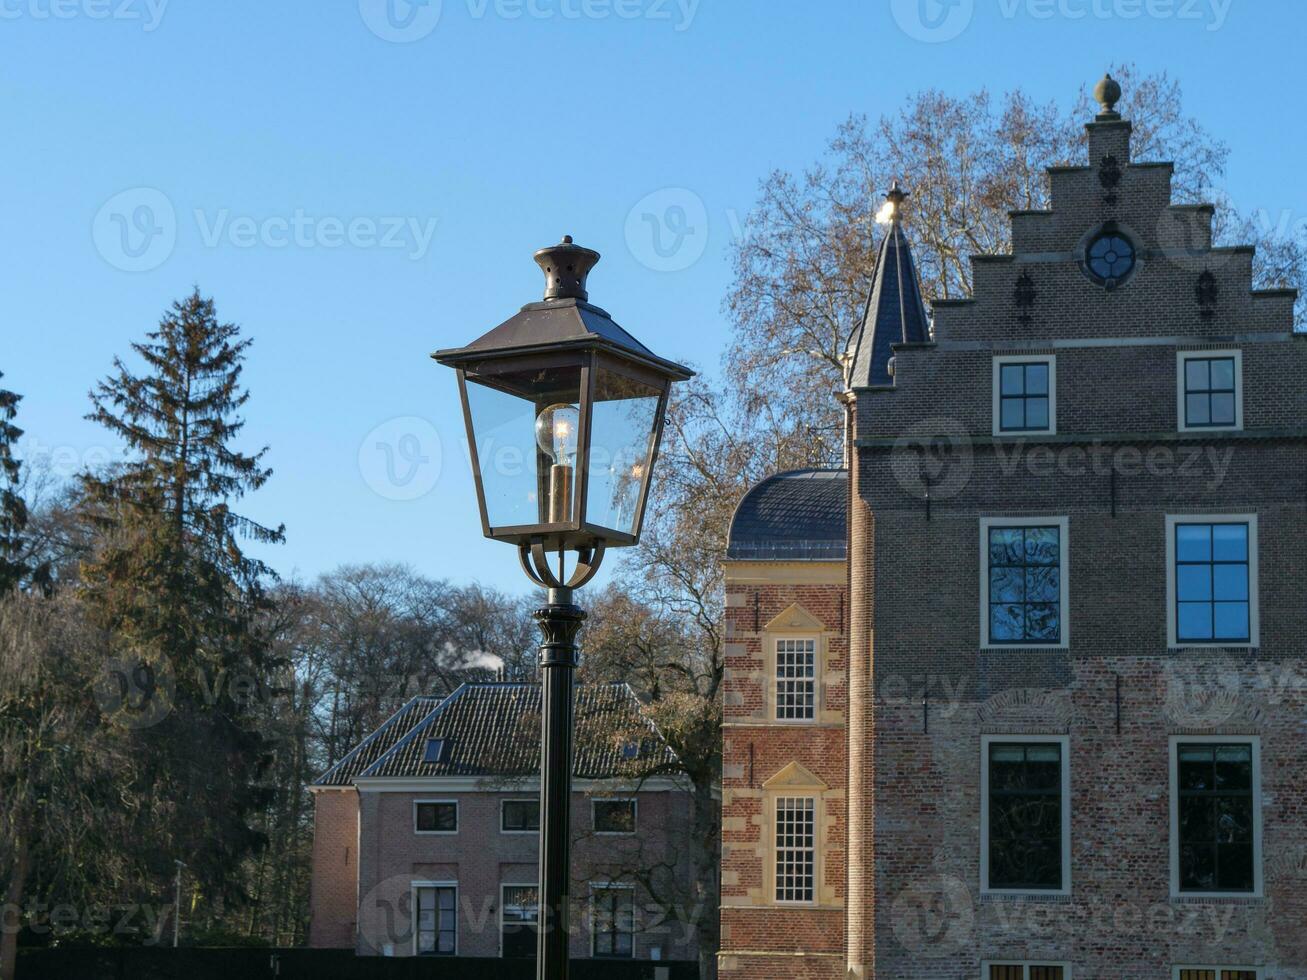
<point>895,312</point>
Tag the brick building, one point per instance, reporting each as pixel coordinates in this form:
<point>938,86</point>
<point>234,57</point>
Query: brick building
<point>1029,702</point>
<point>426,834</point>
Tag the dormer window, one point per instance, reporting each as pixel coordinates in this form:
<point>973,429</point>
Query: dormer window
<point>1110,257</point>
<point>437,751</point>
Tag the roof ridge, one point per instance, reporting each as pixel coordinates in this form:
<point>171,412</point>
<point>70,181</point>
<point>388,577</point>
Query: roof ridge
<point>457,693</point>
<point>322,780</point>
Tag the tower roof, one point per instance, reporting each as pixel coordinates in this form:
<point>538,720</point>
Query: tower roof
<point>895,311</point>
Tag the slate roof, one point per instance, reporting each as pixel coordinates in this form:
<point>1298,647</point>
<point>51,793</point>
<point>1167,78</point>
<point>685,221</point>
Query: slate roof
<point>895,312</point>
<point>494,730</point>
<point>796,516</point>
<point>379,742</point>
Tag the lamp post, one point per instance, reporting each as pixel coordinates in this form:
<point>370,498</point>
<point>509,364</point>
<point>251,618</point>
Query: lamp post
<point>564,412</point>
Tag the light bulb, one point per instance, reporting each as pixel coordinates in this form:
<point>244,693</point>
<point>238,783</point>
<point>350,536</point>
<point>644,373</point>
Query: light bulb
<point>557,428</point>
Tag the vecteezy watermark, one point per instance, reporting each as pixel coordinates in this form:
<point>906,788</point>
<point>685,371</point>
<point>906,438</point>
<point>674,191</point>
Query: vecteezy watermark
<point>58,919</point>
<point>667,231</point>
<point>405,21</point>
<point>148,12</point>
<point>136,692</point>
<point>934,917</point>
<point>136,231</point>
<point>933,21</point>
<point>1208,464</point>
<point>67,461</point>
<point>400,21</point>
<point>936,21</point>
<point>400,459</point>
<point>933,459</point>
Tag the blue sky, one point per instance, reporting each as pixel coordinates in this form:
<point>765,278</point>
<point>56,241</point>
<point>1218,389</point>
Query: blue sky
<point>360,182</point>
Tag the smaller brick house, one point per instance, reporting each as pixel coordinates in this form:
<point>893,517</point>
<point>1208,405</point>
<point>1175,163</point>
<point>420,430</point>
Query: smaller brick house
<point>426,834</point>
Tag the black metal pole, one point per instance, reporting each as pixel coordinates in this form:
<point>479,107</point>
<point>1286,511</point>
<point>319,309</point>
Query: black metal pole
<point>559,621</point>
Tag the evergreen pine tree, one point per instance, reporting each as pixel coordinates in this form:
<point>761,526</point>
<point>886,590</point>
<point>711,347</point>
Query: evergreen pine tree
<point>180,600</point>
<point>13,512</point>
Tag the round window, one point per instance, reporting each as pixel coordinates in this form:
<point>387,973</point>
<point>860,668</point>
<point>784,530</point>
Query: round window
<point>1111,256</point>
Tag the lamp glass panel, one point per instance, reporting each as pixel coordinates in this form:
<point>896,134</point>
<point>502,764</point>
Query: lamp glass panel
<point>623,421</point>
<point>524,484</point>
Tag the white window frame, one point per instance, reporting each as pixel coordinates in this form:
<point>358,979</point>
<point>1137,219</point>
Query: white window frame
<point>413,905</point>
<point>520,833</point>
<point>594,935</point>
<point>815,800</point>
<point>1065,742</point>
<point>1025,966</point>
<point>776,641</point>
<point>1199,354</point>
<point>503,887</point>
<point>458,819</point>
<point>1258,971</point>
<point>1259,882</point>
<point>1254,604</point>
<point>1064,579</point>
<point>997,392</point>
<point>635,815</point>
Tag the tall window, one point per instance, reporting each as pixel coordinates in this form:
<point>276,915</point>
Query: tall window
<point>435,817</point>
<point>1026,971</point>
<point>1023,593</point>
<point>1026,818</point>
<point>612,915</point>
<point>1213,581</point>
<point>1216,824</point>
<point>1210,394</point>
<point>796,849</point>
<point>519,911</point>
<point>519,816</point>
<point>437,920</point>
<point>1024,395</point>
<point>796,679</point>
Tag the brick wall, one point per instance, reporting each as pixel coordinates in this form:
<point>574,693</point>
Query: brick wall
<point>333,889</point>
<point>763,759</point>
<point>480,859</point>
<point>932,692</point>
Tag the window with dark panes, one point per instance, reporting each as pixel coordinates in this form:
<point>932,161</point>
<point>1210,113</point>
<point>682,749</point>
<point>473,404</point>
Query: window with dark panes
<point>1023,390</point>
<point>1216,973</point>
<point>1209,392</point>
<point>1212,584</point>
<point>796,849</point>
<point>518,917</point>
<point>1025,588</point>
<point>437,925</point>
<point>613,921</point>
<point>614,816</point>
<point>1217,833</point>
<point>520,816</point>
<point>1025,816</point>
<point>796,680</point>
<point>436,818</point>
<point>1025,971</point>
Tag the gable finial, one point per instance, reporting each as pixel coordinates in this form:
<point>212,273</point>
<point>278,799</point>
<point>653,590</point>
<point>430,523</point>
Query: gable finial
<point>891,211</point>
<point>1107,93</point>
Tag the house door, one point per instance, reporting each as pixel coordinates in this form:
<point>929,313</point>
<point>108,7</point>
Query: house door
<point>521,904</point>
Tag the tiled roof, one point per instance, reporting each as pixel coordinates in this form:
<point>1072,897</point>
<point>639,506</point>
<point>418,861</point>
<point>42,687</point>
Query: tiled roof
<point>895,313</point>
<point>494,730</point>
<point>797,516</point>
<point>379,742</point>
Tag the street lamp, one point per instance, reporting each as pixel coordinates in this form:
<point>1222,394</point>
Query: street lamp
<point>564,412</point>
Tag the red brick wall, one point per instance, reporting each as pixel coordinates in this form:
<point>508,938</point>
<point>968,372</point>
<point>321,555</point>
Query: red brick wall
<point>333,889</point>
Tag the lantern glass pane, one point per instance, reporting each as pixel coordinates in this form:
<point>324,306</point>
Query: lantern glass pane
<point>623,421</point>
<point>525,423</point>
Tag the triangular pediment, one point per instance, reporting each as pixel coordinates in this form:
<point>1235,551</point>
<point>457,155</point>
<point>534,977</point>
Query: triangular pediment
<point>795,619</point>
<point>795,776</point>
